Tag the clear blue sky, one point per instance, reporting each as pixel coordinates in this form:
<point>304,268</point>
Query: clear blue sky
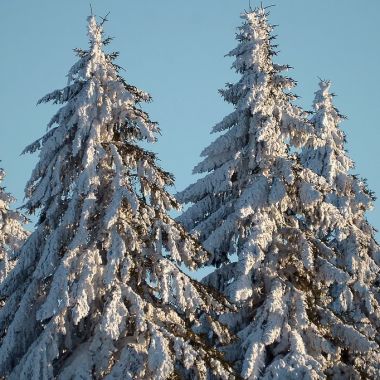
<point>175,50</point>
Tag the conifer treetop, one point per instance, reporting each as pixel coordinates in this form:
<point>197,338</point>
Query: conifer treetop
<point>325,154</point>
<point>256,140</point>
<point>328,138</point>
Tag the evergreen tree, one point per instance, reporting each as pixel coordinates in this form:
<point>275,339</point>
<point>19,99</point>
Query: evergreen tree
<point>358,253</point>
<point>325,154</point>
<point>12,232</point>
<point>96,292</point>
<point>257,201</point>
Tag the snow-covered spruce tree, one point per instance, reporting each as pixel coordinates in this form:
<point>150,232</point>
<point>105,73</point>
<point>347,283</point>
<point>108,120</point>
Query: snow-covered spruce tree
<point>325,154</point>
<point>258,202</point>
<point>358,253</point>
<point>12,232</point>
<point>96,292</point>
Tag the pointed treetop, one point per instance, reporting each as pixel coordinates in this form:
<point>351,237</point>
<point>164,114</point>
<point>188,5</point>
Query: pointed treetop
<point>95,32</point>
<point>327,118</point>
<point>323,97</point>
<point>326,155</point>
<point>324,85</point>
<point>325,152</point>
<point>254,50</point>
<point>254,21</point>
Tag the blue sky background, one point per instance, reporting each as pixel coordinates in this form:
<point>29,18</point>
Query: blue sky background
<point>175,50</point>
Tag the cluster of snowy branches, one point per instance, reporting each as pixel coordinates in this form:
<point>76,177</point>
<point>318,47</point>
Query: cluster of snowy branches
<point>96,291</point>
<point>12,232</point>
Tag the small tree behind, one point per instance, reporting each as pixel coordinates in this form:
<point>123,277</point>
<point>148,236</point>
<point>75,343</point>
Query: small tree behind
<point>358,254</point>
